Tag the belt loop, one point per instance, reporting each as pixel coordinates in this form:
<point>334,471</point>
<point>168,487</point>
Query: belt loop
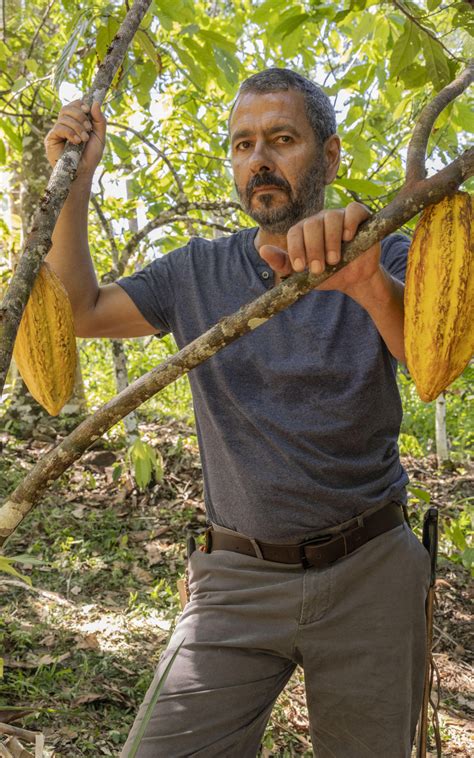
<point>345,542</point>
<point>304,560</point>
<point>208,545</point>
<point>256,547</point>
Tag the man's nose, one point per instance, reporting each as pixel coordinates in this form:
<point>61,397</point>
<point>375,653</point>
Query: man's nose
<point>261,159</point>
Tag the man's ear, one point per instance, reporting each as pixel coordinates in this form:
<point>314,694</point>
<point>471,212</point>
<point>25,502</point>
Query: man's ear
<point>332,157</point>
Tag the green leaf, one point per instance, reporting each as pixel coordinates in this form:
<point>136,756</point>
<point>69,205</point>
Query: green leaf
<point>405,49</point>
<point>229,69</point>
<point>414,76</point>
<point>81,23</point>
<point>467,558</point>
<point>462,115</point>
<point>288,25</point>
<point>13,137</point>
<point>146,462</point>
<point>362,186</point>
<point>7,568</point>
<point>3,153</point>
<point>267,9</point>
<point>436,62</point>
<point>464,18</point>
<point>105,36</point>
<point>148,48</point>
<point>420,493</point>
<point>31,65</point>
<point>19,83</point>
<point>181,11</point>
<point>121,147</point>
<point>218,39</point>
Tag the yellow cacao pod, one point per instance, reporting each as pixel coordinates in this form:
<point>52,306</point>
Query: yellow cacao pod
<point>45,346</point>
<point>439,296</point>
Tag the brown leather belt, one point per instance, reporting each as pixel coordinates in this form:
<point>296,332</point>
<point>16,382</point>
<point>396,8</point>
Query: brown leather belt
<point>316,553</point>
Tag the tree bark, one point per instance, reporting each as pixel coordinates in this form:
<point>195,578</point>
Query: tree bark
<point>442,449</point>
<point>38,242</point>
<point>121,380</point>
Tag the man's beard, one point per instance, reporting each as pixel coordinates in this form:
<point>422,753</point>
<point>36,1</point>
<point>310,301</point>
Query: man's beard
<point>306,199</point>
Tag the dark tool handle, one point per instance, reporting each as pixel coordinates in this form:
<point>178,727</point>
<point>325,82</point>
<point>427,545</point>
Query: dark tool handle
<point>190,546</point>
<point>430,539</point>
<point>430,542</point>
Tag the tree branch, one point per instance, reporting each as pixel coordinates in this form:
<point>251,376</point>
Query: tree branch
<point>107,228</point>
<point>40,26</point>
<point>416,153</point>
<point>159,152</point>
<point>409,201</point>
<point>165,218</point>
<point>38,242</point>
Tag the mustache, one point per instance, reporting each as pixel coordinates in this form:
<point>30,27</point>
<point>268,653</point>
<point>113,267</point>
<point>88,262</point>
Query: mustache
<point>265,179</point>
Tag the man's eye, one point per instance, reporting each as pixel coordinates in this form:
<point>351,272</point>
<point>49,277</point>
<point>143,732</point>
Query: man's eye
<point>285,137</point>
<point>242,145</point>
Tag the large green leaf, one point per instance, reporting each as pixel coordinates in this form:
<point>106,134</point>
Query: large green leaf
<point>436,62</point>
<point>289,25</point>
<point>405,49</point>
<point>148,46</point>
<point>363,187</point>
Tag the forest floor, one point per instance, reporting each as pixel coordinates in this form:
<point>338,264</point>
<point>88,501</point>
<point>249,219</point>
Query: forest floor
<point>80,644</point>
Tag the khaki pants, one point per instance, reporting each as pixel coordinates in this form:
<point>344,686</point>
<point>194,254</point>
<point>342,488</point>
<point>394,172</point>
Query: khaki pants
<point>357,628</point>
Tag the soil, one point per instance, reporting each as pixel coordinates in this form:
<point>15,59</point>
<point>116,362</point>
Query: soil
<point>80,644</point>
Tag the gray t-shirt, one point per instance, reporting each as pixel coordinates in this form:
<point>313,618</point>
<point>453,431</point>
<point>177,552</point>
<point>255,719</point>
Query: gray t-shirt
<point>297,420</point>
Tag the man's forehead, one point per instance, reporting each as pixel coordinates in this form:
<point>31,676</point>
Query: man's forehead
<point>255,109</point>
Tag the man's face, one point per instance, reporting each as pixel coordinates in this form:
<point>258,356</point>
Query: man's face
<point>279,169</point>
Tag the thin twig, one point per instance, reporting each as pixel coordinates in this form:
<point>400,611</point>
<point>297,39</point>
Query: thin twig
<point>159,152</point>
<point>40,26</point>
<point>107,228</point>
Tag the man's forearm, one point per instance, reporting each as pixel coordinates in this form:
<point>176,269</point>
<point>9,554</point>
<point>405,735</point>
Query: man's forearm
<point>382,298</point>
<point>69,256</point>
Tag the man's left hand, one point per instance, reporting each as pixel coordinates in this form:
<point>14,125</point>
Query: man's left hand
<point>315,242</point>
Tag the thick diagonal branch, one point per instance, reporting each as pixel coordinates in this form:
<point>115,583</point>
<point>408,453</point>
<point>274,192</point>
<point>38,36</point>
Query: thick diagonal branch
<point>39,242</point>
<point>408,203</point>
<point>416,152</point>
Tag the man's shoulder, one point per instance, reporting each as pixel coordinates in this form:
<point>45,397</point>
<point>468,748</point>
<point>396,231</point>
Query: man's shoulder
<point>398,240</point>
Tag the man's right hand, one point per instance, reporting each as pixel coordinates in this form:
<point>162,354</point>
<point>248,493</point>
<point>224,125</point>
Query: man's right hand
<point>76,124</point>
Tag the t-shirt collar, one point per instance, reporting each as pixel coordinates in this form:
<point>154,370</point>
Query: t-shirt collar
<point>262,269</point>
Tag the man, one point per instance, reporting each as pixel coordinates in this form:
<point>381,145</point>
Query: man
<point>297,424</point>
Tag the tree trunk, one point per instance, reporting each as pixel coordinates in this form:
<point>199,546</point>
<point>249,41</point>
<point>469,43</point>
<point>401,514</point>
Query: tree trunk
<point>38,242</point>
<point>121,380</point>
<point>442,447</point>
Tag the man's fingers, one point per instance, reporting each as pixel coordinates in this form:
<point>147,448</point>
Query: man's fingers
<point>80,128</point>
<point>354,215</point>
<point>276,258</point>
<point>333,228</point>
<point>296,247</point>
<point>313,233</point>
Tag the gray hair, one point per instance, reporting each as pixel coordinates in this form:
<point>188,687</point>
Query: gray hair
<point>318,107</point>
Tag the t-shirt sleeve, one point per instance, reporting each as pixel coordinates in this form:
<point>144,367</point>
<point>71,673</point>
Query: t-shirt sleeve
<point>394,255</point>
<point>153,289</point>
